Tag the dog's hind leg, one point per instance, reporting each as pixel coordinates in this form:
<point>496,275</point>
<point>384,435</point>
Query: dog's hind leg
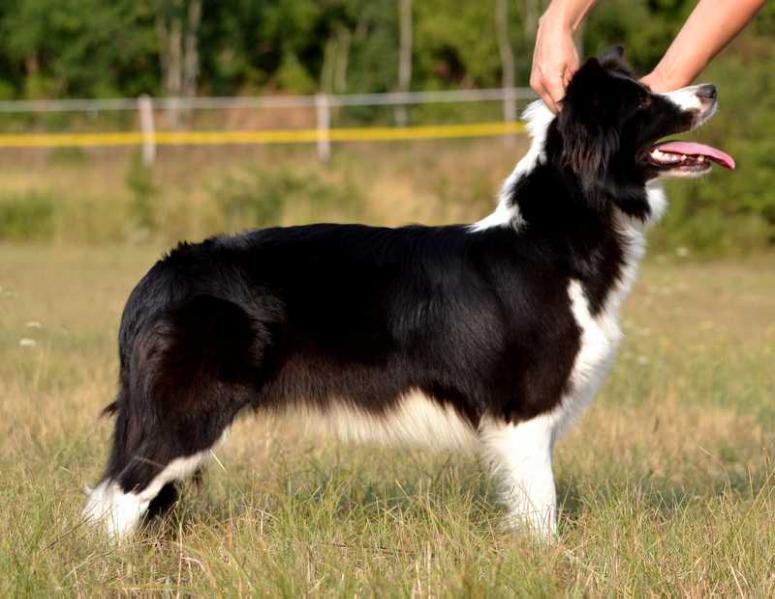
<point>190,373</point>
<point>520,456</point>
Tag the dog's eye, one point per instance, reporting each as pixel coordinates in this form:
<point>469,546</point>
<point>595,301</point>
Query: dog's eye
<point>644,102</point>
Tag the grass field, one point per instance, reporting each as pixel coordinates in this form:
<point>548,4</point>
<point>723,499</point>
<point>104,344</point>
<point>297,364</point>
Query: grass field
<point>183,195</point>
<point>667,485</point>
<point>105,196</point>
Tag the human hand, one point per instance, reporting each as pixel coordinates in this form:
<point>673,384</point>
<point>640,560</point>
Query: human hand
<point>555,60</point>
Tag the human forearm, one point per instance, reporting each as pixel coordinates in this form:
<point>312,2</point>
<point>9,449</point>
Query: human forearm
<point>710,27</point>
<point>566,13</point>
<point>555,58</point>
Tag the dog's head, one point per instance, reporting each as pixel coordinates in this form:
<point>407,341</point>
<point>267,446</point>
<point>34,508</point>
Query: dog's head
<point>606,138</point>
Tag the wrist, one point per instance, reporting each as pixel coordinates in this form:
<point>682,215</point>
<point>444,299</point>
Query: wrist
<point>558,17</point>
<point>566,15</point>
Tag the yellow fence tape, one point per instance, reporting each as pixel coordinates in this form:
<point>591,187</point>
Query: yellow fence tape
<point>196,138</point>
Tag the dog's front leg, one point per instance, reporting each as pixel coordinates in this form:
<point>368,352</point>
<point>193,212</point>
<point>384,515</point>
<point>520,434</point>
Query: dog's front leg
<point>520,455</point>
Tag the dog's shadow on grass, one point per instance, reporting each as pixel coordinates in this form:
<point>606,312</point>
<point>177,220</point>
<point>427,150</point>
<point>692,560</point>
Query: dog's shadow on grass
<point>401,488</point>
<point>407,490</point>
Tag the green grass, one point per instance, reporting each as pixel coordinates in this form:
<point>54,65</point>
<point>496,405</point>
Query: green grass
<point>666,485</point>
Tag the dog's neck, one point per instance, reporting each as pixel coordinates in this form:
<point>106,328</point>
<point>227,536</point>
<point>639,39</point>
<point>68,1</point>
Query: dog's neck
<point>602,249</point>
<point>525,192</point>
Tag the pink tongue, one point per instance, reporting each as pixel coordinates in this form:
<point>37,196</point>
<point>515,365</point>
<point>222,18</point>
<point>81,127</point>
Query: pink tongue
<point>695,149</point>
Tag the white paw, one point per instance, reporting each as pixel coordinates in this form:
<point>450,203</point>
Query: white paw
<point>117,512</point>
<point>542,524</point>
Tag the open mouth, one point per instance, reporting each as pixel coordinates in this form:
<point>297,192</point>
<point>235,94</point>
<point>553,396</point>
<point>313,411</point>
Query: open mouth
<point>688,157</point>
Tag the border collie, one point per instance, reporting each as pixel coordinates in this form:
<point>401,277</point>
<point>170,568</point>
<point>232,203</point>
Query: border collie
<point>497,333</point>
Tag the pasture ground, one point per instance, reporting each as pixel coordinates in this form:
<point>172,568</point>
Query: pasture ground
<point>667,485</point>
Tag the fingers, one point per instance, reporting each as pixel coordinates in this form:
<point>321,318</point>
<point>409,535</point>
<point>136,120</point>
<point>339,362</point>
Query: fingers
<point>568,75</point>
<point>550,88</point>
<point>555,88</point>
<point>537,83</point>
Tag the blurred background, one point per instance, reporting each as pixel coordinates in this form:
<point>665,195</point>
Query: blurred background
<point>148,121</point>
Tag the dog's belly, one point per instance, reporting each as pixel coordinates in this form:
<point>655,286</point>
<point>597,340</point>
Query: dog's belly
<point>414,419</point>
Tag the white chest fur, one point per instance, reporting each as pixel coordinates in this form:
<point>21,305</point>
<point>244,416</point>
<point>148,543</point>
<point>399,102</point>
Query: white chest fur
<point>600,332</point>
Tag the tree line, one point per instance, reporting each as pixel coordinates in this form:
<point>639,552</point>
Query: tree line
<point>96,48</point>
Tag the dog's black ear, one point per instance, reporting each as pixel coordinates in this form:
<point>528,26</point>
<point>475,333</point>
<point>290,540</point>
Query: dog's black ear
<point>613,60</point>
<point>588,130</point>
<point>613,53</point>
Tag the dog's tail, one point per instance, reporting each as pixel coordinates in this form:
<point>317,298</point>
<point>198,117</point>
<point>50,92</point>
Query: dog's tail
<point>109,410</point>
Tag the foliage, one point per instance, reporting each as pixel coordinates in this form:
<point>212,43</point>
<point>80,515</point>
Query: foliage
<point>26,217</point>
<point>732,212</point>
<point>93,48</point>
<point>258,197</point>
<point>77,47</point>
<point>139,181</point>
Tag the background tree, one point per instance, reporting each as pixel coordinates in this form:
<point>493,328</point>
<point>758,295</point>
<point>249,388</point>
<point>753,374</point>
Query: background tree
<point>177,27</point>
<point>404,55</point>
<point>507,56</point>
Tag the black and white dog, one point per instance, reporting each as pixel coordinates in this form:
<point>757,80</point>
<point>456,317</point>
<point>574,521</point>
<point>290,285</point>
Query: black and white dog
<point>497,333</point>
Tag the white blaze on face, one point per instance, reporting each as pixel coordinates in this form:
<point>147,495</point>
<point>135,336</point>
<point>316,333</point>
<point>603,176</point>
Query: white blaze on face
<point>685,98</point>
<point>689,100</point>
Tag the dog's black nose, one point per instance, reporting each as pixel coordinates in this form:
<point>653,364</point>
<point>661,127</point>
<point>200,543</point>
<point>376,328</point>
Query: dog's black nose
<point>707,92</point>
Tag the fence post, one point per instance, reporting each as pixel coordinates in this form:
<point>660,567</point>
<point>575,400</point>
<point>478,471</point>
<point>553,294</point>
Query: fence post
<point>148,129</point>
<point>509,109</point>
<point>323,117</point>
